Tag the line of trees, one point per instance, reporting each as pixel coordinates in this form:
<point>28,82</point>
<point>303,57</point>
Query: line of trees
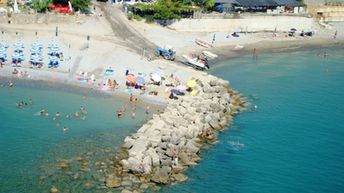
<point>171,9</point>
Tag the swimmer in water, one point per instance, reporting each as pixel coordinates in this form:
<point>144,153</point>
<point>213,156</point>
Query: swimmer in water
<point>19,105</point>
<point>42,112</point>
<point>147,109</point>
<point>65,129</point>
<point>133,115</point>
<point>58,114</point>
<point>10,83</point>
<point>83,110</point>
<point>46,114</point>
<point>119,114</point>
<point>76,114</point>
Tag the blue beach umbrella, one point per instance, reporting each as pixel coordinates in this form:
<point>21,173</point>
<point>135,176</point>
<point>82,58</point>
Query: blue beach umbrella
<point>140,80</point>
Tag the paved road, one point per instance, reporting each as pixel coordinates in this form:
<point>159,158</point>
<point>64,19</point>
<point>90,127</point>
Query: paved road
<point>122,30</point>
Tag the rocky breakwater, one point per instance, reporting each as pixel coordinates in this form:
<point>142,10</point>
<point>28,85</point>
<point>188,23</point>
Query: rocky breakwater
<point>166,145</point>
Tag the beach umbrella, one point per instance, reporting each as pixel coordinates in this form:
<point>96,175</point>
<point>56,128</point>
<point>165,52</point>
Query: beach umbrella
<point>156,78</point>
<point>140,80</point>
<point>131,78</point>
<point>193,92</point>
<point>36,44</point>
<point>130,91</point>
<point>154,87</point>
<point>19,45</point>
<point>191,83</point>
<point>177,92</point>
<point>53,46</point>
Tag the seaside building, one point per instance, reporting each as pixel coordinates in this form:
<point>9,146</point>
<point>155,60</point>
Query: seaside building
<point>262,6</point>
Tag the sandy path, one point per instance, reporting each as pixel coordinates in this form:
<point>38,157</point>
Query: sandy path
<point>123,30</point>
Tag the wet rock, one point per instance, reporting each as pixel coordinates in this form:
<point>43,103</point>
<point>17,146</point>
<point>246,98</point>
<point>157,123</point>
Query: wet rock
<point>127,183</point>
<point>78,158</point>
<point>88,185</point>
<point>54,190</point>
<point>42,178</point>
<point>63,165</point>
<point>76,176</point>
<point>180,177</point>
<point>161,175</point>
<point>84,163</point>
<point>113,182</point>
<point>214,124</point>
<point>144,186</point>
<point>126,191</point>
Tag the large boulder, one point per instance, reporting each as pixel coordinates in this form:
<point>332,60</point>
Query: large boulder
<point>161,175</point>
<point>180,177</point>
<point>192,147</point>
<point>113,182</point>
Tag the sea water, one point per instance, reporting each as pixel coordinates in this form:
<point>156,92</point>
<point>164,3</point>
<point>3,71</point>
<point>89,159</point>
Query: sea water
<point>31,145</point>
<point>291,139</point>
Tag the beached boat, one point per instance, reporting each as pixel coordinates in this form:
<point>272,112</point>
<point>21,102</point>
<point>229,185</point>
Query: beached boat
<point>209,55</point>
<point>203,43</point>
<point>196,62</point>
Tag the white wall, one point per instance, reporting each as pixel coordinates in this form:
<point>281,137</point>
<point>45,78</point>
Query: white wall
<point>256,23</point>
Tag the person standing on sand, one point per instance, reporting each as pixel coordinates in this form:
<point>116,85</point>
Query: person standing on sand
<point>335,34</point>
<point>131,98</point>
<point>214,36</point>
<point>255,55</point>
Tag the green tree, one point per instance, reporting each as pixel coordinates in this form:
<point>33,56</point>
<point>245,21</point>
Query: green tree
<point>210,4</point>
<point>81,5</point>
<point>41,5</point>
<point>167,9</point>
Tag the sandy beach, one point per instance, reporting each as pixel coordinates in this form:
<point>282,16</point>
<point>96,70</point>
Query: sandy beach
<point>111,49</point>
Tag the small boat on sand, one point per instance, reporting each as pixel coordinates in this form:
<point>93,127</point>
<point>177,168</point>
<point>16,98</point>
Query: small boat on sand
<point>209,55</point>
<point>196,62</point>
<point>203,43</point>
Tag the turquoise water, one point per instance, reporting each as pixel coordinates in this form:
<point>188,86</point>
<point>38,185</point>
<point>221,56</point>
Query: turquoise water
<point>294,139</point>
<point>31,146</point>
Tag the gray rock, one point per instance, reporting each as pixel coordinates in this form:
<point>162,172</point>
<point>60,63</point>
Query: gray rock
<point>166,162</point>
<point>127,183</point>
<point>126,191</point>
<point>180,177</point>
<point>113,182</point>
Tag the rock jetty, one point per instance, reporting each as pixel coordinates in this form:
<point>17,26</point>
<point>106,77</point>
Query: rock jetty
<point>163,148</point>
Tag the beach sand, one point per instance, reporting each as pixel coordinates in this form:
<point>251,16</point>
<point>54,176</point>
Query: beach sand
<point>109,50</point>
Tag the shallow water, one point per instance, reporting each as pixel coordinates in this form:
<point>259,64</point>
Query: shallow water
<point>291,142</point>
<point>293,139</point>
<point>31,145</point>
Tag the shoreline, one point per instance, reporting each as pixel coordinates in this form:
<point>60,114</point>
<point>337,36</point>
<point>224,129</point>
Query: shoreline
<point>263,47</point>
<point>62,81</point>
